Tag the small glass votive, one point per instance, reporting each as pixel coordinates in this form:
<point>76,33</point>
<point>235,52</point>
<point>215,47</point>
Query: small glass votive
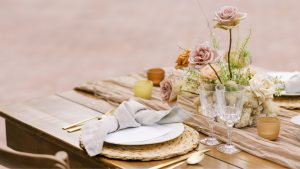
<point>143,89</point>
<point>156,75</point>
<point>268,127</point>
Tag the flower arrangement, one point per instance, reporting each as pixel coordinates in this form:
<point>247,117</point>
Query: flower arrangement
<point>206,63</point>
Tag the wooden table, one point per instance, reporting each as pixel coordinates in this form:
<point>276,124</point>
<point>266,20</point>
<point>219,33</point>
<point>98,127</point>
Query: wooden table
<point>36,126</point>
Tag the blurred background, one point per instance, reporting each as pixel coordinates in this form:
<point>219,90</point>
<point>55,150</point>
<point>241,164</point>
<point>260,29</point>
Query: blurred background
<point>49,46</point>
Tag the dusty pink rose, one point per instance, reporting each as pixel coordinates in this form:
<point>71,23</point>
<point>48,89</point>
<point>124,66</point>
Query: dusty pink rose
<point>201,55</point>
<point>229,17</point>
<point>170,87</point>
<point>166,89</point>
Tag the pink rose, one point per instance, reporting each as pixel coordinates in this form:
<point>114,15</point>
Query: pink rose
<point>170,87</point>
<point>166,89</point>
<point>201,55</point>
<point>228,17</point>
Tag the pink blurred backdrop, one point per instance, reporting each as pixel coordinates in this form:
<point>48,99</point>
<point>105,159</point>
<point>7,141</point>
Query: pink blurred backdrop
<point>48,46</point>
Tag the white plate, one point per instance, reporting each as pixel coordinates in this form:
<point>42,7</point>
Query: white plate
<point>284,76</point>
<point>284,93</point>
<point>146,134</point>
<point>296,120</point>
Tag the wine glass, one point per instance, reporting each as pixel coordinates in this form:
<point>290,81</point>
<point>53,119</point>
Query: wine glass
<point>207,95</point>
<point>230,105</point>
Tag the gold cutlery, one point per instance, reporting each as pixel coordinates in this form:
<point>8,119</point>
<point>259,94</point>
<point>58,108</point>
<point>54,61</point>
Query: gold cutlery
<point>80,122</point>
<point>77,126</point>
<point>73,129</point>
<point>290,107</point>
<point>175,165</point>
<point>179,159</point>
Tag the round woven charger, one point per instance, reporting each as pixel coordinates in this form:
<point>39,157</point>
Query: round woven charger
<point>186,142</point>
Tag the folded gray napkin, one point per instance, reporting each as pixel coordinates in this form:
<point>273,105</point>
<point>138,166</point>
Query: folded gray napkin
<point>129,114</point>
<point>293,84</point>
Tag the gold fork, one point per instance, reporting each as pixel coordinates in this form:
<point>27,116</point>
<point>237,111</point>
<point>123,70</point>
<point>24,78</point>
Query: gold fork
<point>77,126</point>
<point>79,122</point>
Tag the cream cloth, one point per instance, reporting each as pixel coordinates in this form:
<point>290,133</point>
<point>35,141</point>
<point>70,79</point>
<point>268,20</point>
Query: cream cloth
<point>293,84</point>
<point>129,114</point>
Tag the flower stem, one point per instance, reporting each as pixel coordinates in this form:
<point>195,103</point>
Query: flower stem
<point>229,50</point>
<point>215,73</point>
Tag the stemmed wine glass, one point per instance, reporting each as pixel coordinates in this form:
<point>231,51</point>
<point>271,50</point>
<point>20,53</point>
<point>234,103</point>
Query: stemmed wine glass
<point>230,105</point>
<point>207,95</point>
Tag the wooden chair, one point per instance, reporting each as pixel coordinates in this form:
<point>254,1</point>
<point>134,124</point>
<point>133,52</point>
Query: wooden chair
<point>14,159</point>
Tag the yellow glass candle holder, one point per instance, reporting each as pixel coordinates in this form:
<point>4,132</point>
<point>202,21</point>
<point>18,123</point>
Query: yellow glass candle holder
<point>268,127</point>
<point>143,89</point>
<point>156,75</point>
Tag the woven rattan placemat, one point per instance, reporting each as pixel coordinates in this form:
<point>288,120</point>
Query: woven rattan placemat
<point>183,144</point>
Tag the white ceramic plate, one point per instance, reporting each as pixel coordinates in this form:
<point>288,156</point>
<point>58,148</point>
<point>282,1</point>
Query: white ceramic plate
<point>284,76</point>
<point>296,120</point>
<point>146,134</point>
<point>284,93</point>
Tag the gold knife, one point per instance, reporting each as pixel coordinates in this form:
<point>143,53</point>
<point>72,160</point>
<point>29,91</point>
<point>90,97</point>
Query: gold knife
<point>181,158</point>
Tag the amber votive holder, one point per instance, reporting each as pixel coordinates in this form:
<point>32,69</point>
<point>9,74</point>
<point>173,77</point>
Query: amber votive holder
<point>156,75</point>
<point>268,127</point>
<point>143,89</point>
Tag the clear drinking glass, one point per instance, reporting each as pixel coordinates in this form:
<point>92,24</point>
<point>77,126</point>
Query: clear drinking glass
<point>230,105</point>
<point>207,95</point>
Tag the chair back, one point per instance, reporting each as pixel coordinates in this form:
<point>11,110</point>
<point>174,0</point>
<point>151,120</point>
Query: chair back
<point>14,159</point>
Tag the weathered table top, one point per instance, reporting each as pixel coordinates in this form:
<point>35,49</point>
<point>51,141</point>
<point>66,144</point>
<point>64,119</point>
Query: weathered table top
<point>48,115</point>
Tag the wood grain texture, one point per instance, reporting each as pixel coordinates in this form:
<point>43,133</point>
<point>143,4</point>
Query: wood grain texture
<point>45,117</point>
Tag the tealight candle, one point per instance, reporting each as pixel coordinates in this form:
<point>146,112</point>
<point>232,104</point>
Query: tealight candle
<point>143,89</point>
<point>156,75</point>
<point>268,127</point>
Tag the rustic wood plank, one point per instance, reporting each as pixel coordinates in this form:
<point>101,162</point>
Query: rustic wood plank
<point>242,159</point>
<point>42,120</point>
<point>48,115</point>
<point>208,162</point>
<point>86,100</point>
